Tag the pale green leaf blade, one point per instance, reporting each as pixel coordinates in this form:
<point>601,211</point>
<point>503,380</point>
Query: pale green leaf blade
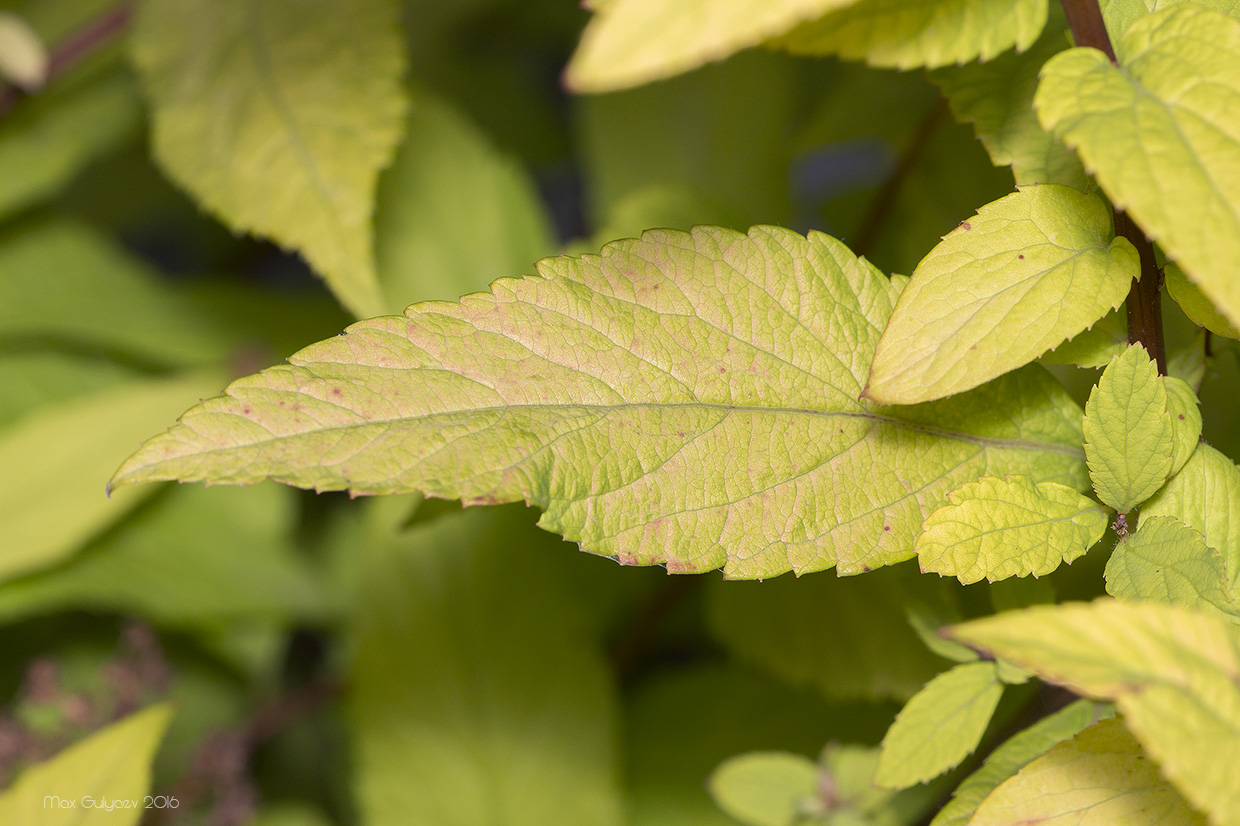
<point>997,528</point>
<point>1016,753</point>
<point>1026,273</point>
<point>1174,674</point>
<point>278,117</point>
<point>57,460</point>
<point>846,637</point>
<point>1182,406</point>
<point>621,393</point>
<point>940,726</point>
<point>765,788</point>
<point>113,764</point>
<point>997,98</point>
<point>476,688</point>
<point>1195,305</point>
<point>1166,561</point>
<point>1205,496</point>
<point>1100,775</point>
<point>1120,14</point>
<point>454,214</point>
<point>1129,439</point>
<point>34,378</point>
<point>1161,133</point>
<point>631,42</point>
<point>907,34</point>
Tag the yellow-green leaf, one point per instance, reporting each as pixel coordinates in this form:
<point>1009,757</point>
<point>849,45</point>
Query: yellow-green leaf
<point>1195,305</point>
<point>631,42</point>
<point>1026,273</point>
<point>277,117</point>
<point>1161,132</point>
<point>100,781</point>
<point>1166,561</point>
<point>1185,415</point>
<point>1095,347</point>
<point>768,788</point>
<point>1099,776</point>
<point>940,726</point>
<point>688,399</point>
<point>906,34</point>
<point>1120,14</point>
<point>1174,673</point>
<point>997,528</point>
<point>1129,439</point>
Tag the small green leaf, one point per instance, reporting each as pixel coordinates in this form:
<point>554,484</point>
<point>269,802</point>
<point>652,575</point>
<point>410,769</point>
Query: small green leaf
<point>1205,496</point>
<point>1166,561</point>
<point>1099,776</point>
<point>1026,273</point>
<point>997,98</point>
<point>1095,347</point>
<point>940,726</point>
<point>631,42</point>
<point>1161,132</point>
<point>770,788</point>
<point>621,393</point>
<point>112,766</point>
<point>1174,674</point>
<point>23,59</point>
<point>907,34</point>
<point>1195,305</point>
<point>1185,414</point>
<point>927,624</point>
<point>1128,434</point>
<point>996,528</point>
<point>1016,753</point>
<point>1120,14</point>
<point>278,117</point>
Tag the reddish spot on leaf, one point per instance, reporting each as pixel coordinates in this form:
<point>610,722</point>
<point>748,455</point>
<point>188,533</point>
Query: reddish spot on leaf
<point>886,527</point>
<point>335,391</point>
<point>966,225</point>
<point>1021,257</point>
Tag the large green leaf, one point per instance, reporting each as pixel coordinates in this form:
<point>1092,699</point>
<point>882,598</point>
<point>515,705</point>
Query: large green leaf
<point>1165,561</point>
<point>940,726</point>
<point>1205,495</point>
<point>848,638</point>
<point>278,117</point>
<point>1129,440</point>
<point>906,34</point>
<point>997,98</point>
<point>1016,753</point>
<point>475,689</point>
<point>1174,673</point>
<point>56,461</point>
<point>631,42</point>
<point>75,788</point>
<point>997,528</point>
<point>1026,273</point>
<point>684,399</point>
<point>1101,775</point>
<point>454,214</point>
<point>1161,132</point>
<point>1195,304</point>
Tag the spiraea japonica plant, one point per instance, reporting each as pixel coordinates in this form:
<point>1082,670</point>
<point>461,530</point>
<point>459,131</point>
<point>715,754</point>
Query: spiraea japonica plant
<point>960,546</point>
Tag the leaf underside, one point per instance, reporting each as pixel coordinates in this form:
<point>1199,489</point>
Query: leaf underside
<point>628,395</point>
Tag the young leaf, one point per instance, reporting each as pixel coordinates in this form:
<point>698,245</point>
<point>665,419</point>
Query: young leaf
<point>1164,145</point>
<point>1182,406</point>
<point>277,118</point>
<point>1128,434</point>
<point>940,726</point>
<point>1027,272</point>
<point>631,42</point>
<point>113,765</point>
<point>769,788</point>
<point>1173,673</point>
<point>997,98</point>
<point>997,528</point>
<point>1016,753</point>
<point>1205,496</point>
<point>1166,561</point>
<point>1099,776</point>
<point>641,398</point>
<point>1195,305</point>
<point>907,34</point>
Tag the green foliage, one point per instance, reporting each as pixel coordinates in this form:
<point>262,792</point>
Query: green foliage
<point>1164,561</point>
<point>766,788</point>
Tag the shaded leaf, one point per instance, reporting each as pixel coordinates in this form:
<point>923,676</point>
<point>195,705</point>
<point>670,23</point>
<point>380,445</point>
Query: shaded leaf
<point>1100,775</point>
<point>277,117</point>
<point>998,528</point>
<point>1026,273</point>
<point>1095,347</point>
<point>1195,304</point>
<point>1165,561</point>
<point>36,378</point>
<point>1161,133</point>
<point>766,788</point>
<point>1182,406</point>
